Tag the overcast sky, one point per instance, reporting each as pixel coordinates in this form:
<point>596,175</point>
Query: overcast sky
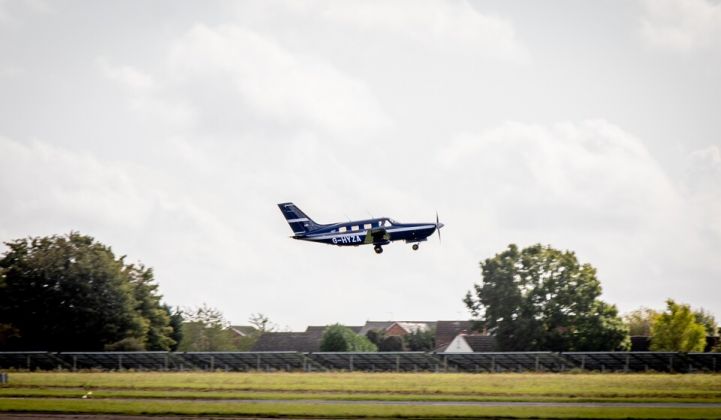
<point>170,130</point>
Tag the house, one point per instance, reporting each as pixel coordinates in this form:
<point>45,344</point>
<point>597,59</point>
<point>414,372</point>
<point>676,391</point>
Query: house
<point>467,343</point>
<point>321,328</point>
<point>310,339</point>
<point>396,328</point>
<point>446,331</point>
<point>307,341</point>
<point>243,330</point>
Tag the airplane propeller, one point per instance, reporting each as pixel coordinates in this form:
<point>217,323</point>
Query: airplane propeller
<point>439,225</point>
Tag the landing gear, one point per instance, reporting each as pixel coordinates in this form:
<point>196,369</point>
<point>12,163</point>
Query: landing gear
<point>415,247</point>
<point>378,249</point>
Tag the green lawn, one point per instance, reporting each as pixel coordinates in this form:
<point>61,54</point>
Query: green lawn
<point>218,394</point>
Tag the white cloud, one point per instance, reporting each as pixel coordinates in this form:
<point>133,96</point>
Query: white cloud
<point>594,188</point>
<point>454,26</point>
<point>449,27</point>
<point>590,173</point>
<point>127,75</point>
<point>275,84</point>
<point>39,179</point>
<point>51,190</point>
<point>11,10</point>
<point>681,25</point>
<point>147,97</point>
<point>702,183</point>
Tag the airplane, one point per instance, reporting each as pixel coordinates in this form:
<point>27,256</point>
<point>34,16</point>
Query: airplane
<point>377,232</point>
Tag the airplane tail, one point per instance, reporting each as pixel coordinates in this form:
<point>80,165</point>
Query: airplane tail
<point>298,221</point>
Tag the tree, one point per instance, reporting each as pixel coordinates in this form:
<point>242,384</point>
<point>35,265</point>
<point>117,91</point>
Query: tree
<point>676,329</point>
<point>338,337</point>
<point>156,320</point>
<point>541,298</point>
<point>421,340</point>
<point>708,321</point>
<point>391,343</point>
<point>640,321</point>
<point>262,323</point>
<point>176,322</point>
<point>376,336</point>
<point>71,293</point>
<point>205,329</point>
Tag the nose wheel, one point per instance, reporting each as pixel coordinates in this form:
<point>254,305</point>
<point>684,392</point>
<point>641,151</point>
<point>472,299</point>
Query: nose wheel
<point>378,249</point>
<point>415,247</point>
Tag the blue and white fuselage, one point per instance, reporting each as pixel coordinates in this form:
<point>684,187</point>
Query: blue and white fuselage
<point>377,232</point>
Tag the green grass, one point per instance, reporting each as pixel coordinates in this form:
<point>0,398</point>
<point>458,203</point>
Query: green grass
<point>16,392</point>
<point>700,386</point>
<point>220,393</point>
<point>345,411</point>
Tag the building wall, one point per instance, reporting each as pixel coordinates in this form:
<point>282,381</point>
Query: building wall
<point>458,345</point>
<point>396,329</point>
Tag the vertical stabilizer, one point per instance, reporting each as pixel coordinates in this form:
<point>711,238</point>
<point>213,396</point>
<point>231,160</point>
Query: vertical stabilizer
<point>298,221</point>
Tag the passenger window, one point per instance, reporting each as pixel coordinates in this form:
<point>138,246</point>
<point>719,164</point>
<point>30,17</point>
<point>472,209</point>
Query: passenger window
<point>354,228</point>
<point>368,226</point>
<point>342,229</point>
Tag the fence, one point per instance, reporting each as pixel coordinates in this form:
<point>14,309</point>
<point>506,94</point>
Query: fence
<point>369,362</point>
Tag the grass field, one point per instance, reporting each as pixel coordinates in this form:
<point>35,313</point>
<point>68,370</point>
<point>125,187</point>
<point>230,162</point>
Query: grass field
<point>362,394</point>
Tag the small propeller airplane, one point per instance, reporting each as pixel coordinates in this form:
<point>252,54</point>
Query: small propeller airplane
<point>377,232</point>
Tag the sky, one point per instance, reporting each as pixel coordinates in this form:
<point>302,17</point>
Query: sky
<point>169,130</point>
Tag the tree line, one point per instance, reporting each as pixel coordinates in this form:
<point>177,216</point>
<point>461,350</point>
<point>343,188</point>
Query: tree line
<point>70,292</point>
<point>541,298</point>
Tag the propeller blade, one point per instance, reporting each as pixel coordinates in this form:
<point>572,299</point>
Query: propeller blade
<point>439,225</point>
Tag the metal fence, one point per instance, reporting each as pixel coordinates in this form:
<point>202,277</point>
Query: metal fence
<point>369,362</point>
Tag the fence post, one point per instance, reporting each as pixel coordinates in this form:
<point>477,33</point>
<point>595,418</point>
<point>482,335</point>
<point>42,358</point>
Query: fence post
<point>120,362</point>
<point>493,363</point>
<point>625,367</point>
<point>398,363</point>
<point>536,363</point>
<point>257,363</point>
<point>212,362</point>
<point>350,363</point>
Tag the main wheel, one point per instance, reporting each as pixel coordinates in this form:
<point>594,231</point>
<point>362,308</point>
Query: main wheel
<point>415,247</point>
<point>378,249</point>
